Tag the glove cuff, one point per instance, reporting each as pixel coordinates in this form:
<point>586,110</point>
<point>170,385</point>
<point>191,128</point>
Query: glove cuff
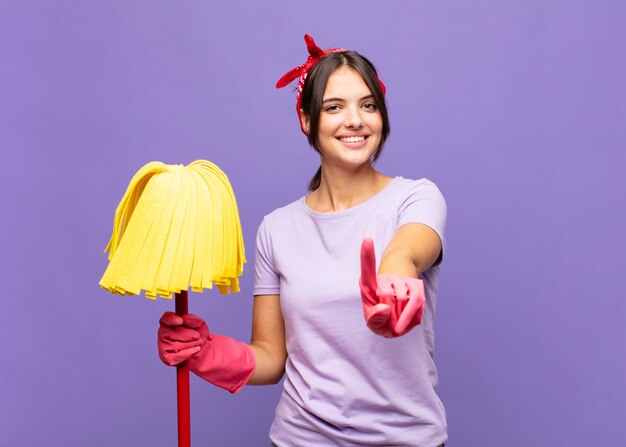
<point>224,362</point>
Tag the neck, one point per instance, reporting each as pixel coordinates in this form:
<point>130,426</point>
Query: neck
<point>340,189</point>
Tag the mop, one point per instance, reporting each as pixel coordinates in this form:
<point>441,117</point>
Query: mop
<point>176,227</point>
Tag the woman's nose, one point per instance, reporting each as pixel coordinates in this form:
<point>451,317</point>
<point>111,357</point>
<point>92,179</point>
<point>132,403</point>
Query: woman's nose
<point>354,119</point>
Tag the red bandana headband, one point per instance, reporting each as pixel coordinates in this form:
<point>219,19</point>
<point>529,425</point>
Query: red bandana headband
<point>315,55</point>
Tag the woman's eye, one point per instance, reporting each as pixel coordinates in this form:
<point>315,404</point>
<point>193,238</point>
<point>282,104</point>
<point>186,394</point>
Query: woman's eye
<point>370,106</point>
<point>332,108</point>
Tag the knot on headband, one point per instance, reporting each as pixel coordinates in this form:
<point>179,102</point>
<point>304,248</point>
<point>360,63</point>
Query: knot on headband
<point>301,71</point>
<point>315,55</point>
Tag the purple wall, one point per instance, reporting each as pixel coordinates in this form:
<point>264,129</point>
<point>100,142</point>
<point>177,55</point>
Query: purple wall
<point>515,109</point>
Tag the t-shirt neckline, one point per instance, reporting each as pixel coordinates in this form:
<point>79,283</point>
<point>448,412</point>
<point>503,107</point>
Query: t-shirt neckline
<point>347,211</point>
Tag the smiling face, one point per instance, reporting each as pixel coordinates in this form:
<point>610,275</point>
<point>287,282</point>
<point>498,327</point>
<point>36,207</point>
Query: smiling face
<point>350,124</point>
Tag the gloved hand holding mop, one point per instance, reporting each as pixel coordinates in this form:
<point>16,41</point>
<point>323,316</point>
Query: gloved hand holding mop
<point>220,360</point>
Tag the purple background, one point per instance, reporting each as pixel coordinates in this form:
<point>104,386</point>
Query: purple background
<point>516,109</point>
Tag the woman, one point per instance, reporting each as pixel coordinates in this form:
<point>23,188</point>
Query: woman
<point>348,381</point>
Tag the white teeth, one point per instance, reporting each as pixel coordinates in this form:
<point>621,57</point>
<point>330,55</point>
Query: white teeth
<point>352,139</point>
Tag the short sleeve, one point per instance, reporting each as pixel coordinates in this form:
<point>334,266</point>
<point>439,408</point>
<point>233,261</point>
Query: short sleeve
<point>423,203</point>
<point>266,281</point>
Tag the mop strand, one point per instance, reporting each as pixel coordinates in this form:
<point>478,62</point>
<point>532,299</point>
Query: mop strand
<point>175,227</point>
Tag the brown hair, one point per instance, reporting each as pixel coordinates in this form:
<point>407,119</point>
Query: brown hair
<point>313,91</point>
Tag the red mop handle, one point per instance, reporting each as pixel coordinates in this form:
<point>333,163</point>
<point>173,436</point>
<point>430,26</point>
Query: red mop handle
<point>182,384</point>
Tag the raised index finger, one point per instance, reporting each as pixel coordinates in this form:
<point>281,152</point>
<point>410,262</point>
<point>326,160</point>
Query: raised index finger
<point>368,265</point>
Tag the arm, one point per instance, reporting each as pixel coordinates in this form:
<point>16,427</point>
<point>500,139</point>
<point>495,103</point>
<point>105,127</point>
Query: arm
<point>268,340</point>
<point>414,248</point>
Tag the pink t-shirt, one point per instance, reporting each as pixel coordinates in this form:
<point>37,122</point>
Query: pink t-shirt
<point>344,385</point>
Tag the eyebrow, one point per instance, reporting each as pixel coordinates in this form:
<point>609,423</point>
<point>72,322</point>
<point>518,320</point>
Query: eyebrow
<point>341,99</point>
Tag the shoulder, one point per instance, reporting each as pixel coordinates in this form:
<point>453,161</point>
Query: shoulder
<point>421,188</point>
<point>420,201</point>
<point>280,216</point>
<point>290,209</point>
<point>407,184</point>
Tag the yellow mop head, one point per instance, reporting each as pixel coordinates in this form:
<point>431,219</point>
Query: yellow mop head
<point>176,226</point>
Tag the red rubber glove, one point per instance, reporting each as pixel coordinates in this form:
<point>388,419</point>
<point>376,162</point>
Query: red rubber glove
<point>220,360</point>
<point>392,304</point>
